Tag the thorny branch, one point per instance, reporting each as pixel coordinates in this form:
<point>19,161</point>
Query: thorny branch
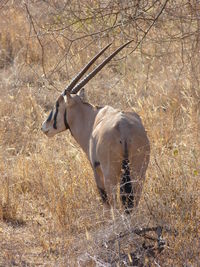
<point>3,4</point>
<point>131,17</point>
<point>148,30</point>
<point>142,232</point>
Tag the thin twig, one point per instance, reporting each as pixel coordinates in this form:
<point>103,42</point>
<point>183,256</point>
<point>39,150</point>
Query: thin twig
<point>37,36</point>
<point>152,24</point>
<point>4,3</point>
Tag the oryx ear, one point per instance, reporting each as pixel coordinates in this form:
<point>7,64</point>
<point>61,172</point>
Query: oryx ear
<point>82,95</point>
<point>70,99</point>
<point>60,98</point>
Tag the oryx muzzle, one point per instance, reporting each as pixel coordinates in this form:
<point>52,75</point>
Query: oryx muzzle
<point>115,142</point>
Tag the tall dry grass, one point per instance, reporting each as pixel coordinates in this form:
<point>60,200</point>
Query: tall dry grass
<point>50,210</point>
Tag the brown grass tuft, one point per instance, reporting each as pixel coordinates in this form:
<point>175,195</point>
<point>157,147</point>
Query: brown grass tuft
<point>50,210</point>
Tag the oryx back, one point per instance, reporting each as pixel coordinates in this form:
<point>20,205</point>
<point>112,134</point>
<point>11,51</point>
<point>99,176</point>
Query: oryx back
<point>121,147</point>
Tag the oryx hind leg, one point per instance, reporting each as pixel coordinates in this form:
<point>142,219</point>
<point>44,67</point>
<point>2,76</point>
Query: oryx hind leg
<point>138,171</point>
<point>98,175</point>
<point>111,178</point>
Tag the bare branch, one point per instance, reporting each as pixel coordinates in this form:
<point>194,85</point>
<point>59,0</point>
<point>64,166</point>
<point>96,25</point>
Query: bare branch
<point>37,36</point>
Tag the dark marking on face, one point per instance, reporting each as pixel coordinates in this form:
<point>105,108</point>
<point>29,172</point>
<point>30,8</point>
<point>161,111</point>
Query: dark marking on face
<point>65,120</point>
<point>103,195</point>
<point>96,164</point>
<point>55,116</point>
<point>50,116</point>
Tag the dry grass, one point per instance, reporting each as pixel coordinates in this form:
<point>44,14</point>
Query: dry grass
<point>50,210</point>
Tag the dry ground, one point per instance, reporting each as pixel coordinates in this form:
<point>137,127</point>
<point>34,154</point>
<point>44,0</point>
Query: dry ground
<point>50,210</point>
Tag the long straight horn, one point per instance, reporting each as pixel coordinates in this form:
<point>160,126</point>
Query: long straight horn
<point>97,69</point>
<point>83,71</point>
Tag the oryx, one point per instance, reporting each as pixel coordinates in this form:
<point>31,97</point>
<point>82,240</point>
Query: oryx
<point>115,142</point>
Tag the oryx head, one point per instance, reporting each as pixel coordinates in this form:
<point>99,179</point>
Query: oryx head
<point>57,119</point>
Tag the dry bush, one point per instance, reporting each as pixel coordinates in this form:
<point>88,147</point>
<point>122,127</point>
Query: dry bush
<point>15,40</point>
<point>48,197</point>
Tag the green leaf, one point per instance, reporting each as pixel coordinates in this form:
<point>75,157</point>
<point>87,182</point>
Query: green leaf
<point>195,172</point>
<point>175,152</point>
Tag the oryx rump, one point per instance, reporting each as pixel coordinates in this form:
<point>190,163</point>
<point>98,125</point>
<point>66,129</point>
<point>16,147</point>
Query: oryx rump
<point>115,142</point>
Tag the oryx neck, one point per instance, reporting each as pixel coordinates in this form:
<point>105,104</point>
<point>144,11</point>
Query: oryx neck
<point>81,120</point>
